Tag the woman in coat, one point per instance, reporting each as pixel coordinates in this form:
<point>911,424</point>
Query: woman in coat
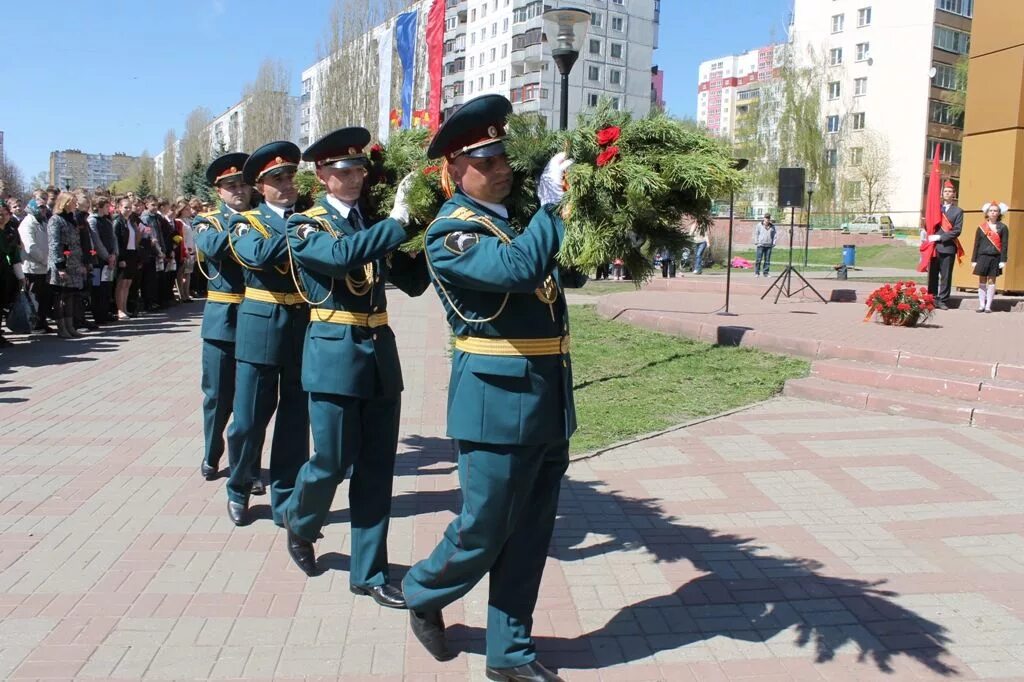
<point>991,244</point>
<point>65,263</point>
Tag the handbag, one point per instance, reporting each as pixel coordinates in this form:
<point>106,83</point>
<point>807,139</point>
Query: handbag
<point>23,315</point>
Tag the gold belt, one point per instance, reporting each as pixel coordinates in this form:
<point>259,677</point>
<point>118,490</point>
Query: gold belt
<point>512,347</point>
<point>272,296</point>
<point>345,317</point>
<point>223,297</point>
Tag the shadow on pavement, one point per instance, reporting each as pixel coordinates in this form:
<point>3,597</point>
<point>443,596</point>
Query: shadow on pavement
<point>746,593</point>
<point>419,455</point>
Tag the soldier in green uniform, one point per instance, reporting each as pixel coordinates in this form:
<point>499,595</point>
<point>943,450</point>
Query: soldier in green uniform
<point>510,400</point>
<point>350,364</point>
<point>226,286</point>
<point>272,319</point>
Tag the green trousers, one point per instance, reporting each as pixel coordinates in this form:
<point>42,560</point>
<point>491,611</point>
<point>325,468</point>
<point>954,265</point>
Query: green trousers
<point>361,434</point>
<point>509,502</point>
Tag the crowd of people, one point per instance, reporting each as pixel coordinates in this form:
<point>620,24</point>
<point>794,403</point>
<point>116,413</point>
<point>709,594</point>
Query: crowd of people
<point>90,259</point>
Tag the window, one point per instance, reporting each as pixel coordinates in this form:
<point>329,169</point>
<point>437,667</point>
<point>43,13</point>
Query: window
<point>472,15</point>
<point>615,103</point>
<point>939,112</point>
<point>863,51</point>
<point>952,40</point>
<point>949,151</point>
<point>618,24</point>
<point>480,83</point>
<point>864,16</point>
<point>853,189</point>
<point>593,73</point>
<point>494,53</point>
<point>504,26</point>
<point>831,158</point>
<point>491,80</point>
<point>837,23</point>
<point>835,56</point>
<point>618,2</point>
<point>471,87</point>
<point>504,50</point>
<point>472,62</point>
<point>597,20</point>
<point>494,29</point>
<point>616,51</point>
<point>504,75</point>
<point>833,90</point>
<point>856,156</point>
<point>832,124</point>
<point>858,120</point>
<point>592,99</point>
<point>945,76</point>
<point>964,8</point>
<point>860,86</point>
<point>615,76</point>
<point>595,46</point>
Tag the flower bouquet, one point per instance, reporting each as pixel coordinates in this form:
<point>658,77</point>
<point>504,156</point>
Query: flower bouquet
<point>902,304</point>
<point>632,182</point>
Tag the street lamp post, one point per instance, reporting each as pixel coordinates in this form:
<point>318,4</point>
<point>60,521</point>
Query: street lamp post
<point>738,164</point>
<point>811,186</point>
<point>565,29</point>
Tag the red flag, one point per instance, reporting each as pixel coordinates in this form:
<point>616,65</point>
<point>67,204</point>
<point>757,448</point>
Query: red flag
<point>435,57</point>
<point>932,212</point>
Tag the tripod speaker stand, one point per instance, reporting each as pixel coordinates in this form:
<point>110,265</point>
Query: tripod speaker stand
<point>784,282</point>
<point>791,195</point>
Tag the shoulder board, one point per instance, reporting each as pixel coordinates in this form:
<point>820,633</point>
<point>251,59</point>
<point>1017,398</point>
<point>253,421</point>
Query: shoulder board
<point>253,218</point>
<point>315,211</point>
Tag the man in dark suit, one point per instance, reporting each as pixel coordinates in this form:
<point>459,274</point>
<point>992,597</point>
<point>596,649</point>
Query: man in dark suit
<point>947,248</point>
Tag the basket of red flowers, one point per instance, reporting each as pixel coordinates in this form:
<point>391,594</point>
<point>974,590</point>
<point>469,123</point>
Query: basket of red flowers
<point>901,304</point>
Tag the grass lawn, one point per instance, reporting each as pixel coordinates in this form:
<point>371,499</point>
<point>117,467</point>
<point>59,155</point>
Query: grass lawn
<point>600,287</point>
<point>874,256</point>
<point>631,381</point>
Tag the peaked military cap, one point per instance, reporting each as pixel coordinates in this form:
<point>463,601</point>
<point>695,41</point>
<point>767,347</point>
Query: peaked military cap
<point>225,167</point>
<point>476,129</point>
<point>272,157</point>
<point>341,148</point>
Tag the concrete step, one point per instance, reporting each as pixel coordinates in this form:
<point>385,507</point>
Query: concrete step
<point>899,402</point>
<point>933,381</point>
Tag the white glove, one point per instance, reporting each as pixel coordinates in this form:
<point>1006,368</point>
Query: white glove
<point>1002,265</point>
<point>933,237</point>
<point>551,187</point>
<point>400,210</point>
<point>924,235</point>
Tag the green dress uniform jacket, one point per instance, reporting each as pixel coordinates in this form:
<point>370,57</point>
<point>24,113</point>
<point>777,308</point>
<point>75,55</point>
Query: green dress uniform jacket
<point>272,321</point>
<point>333,258</point>
<point>226,285</point>
<point>510,407</point>
<point>224,275</point>
<point>352,373</point>
<point>516,400</point>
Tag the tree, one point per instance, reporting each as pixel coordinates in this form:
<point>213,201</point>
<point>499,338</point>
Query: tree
<point>268,112</point>
<point>196,140</point>
<point>168,185</point>
<point>40,180</point>
<point>193,181</point>
<point>872,169</point>
<point>12,182</point>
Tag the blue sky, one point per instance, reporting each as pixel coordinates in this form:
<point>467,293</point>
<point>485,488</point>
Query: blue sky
<point>115,75</point>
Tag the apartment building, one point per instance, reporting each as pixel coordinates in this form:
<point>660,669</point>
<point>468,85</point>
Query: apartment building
<point>728,86</point>
<point>496,46</point>
<point>889,67</point>
<point>71,168</point>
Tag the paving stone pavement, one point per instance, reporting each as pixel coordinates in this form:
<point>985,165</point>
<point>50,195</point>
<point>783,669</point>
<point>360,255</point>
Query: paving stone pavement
<point>793,541</point>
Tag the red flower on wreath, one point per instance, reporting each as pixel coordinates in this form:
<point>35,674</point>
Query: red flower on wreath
<point>608,135</point>
<point>92,252</point>
<point>430,170</point>
<point>67,253</point>
<point>376,152</point>
<point>606,157</point>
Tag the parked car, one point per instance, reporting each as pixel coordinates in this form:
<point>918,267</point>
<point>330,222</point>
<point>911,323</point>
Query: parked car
<point>869,223</point>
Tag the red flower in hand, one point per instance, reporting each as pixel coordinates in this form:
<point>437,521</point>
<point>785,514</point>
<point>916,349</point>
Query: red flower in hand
<point>67,253</point>
<point>92,252</point>
<point>606,157</point>
<point>608,135</point>
<point>376,152</point>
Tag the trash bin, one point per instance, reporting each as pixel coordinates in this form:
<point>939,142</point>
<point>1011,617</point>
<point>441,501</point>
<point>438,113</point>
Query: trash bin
<point>849,255</point>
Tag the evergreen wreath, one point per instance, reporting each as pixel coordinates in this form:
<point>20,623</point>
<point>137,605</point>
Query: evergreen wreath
<point>632,182</point>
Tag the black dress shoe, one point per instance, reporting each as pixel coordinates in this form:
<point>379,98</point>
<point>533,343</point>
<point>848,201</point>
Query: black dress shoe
<point>238,513</point>
<point>428,626</point>
<point>941,306</point>
<point>258,488</point>
<point>385,595</point>
<point>531,672</point>
<point>301,551</point>
<point>208,472</point>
